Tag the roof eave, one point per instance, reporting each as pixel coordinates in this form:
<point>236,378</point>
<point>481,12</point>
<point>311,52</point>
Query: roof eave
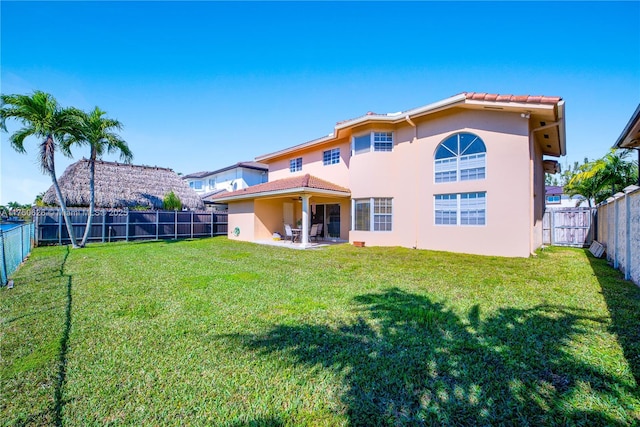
<point>394,118</point>
<point>415,112</point>
<point>277,193</point>
<point>629,136</point>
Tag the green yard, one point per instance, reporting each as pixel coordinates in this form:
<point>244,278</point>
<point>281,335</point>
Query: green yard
<point>214,332</point>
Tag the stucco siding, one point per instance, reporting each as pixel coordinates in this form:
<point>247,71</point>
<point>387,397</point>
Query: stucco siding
<point>538,196</point>
<point>407,175</point>
<point>269,218</point>
<point>312,163</point>
<point>241,216</point>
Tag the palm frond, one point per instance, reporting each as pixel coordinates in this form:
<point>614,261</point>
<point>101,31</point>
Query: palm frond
<point>17,139</point>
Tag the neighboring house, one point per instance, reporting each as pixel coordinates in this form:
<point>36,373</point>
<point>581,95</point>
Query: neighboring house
<point>119,185</point>
<point>465,174</point>
<point>630,137</point>
<point>555,197</point>
<point>231,178</point>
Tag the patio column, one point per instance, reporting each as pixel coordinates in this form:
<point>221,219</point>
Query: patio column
<point>304,242</point>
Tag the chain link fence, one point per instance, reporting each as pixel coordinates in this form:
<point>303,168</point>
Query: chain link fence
<point>15,245</point>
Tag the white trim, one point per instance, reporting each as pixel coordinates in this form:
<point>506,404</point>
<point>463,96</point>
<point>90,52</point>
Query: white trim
<point>395,118</point>
<point>458,199</point>
<point>372,208</point>
<point>372,142</point>
<point>291,191</point>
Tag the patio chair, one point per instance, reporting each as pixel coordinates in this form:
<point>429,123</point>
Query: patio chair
<point>314,232</point>
<point>319,232</point>
<point>288,233</point>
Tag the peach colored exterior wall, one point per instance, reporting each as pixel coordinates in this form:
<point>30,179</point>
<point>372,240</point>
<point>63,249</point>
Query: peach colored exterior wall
<point>241,215</point>
<point>407,176</point>
<point>312,164</point>
<point>538,197</point>
<point>514,185</point>
<point>269,218</point>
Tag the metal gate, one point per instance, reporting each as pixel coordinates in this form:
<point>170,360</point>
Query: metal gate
<point>568,227</point>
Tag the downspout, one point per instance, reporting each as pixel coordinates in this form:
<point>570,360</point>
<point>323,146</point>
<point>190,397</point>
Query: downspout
<point>532,154</point>
<point>417,181</point>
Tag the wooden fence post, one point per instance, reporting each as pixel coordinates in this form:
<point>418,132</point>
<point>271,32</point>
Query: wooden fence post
<point>175,225</point>
<point>157,223</point>
<point>192,224</point>
<point>211,223</point>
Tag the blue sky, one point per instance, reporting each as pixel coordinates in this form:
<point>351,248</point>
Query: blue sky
<point>203,85</point>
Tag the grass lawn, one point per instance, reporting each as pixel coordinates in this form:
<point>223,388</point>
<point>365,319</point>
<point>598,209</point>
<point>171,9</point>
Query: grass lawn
<point>216,332</point>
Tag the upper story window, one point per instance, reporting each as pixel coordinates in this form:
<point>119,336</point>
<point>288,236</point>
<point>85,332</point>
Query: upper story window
<point>373,141</point>
<point>295,165</point>
<point>212,183</point>
<point>196,185</point>
<point>331,157</point>
<point>461,157</point>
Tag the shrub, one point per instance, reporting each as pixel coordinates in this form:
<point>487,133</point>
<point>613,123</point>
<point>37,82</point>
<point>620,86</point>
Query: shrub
<point>171,202</point>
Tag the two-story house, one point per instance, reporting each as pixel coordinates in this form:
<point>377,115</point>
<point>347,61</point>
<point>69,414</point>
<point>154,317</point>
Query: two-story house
<point>464,174</point>
<point>230,178</point>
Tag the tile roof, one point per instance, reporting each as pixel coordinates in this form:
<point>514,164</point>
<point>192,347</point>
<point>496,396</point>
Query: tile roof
<point>300,181</point>
<point>475,96</point>
<point>527,99</point>
<point>459,100</point>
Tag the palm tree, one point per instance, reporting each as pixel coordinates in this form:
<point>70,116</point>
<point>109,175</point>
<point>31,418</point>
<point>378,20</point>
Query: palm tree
<point>98,132</point>
<point>43,118</point>
<point>618,172</point>
<point>604,177</point>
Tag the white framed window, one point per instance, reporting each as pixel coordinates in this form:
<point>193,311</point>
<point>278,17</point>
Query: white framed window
<point>212,183</point>
<point>331,157</point>
<point>196,185</point>
<point>382,141</point>
<point>460,157</point>
<point>295,165</point>
<point>372,141</point>
<point>380,219</point>
<point>461,209</point>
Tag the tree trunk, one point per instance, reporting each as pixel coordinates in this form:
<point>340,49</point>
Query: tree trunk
<point>63,207</point>
<point>92,200</point>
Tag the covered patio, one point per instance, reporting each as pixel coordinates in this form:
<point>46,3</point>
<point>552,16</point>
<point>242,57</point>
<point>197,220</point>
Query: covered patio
<point>257,212</point>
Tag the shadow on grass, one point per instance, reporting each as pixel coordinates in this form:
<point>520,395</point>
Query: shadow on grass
<point>408,360</point>
<point>64,346</point>
<point>623,301</point>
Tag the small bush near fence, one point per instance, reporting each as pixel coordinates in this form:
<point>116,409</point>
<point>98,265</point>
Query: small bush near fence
<point>112,225</point>
<point>15,245</point>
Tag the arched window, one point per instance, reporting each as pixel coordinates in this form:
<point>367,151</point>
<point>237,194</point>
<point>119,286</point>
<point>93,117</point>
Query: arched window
<point>461,157</point>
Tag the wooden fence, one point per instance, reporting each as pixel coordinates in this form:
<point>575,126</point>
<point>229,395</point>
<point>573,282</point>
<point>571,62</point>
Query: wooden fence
<point>113,224</point>
<point>568,227</point>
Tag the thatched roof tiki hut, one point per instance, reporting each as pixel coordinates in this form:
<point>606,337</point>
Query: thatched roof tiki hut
<point>120,185</point>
